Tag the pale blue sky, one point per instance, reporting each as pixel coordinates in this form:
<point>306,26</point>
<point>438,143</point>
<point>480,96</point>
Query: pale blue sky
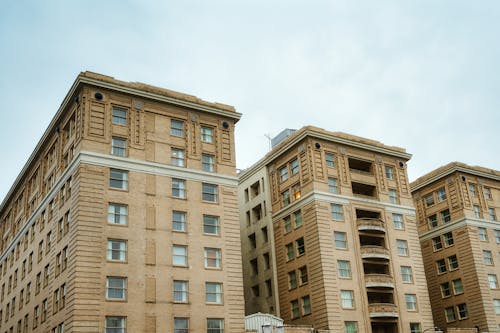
<point>423,75</point>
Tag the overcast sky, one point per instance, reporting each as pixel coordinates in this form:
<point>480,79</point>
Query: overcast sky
<point>423,75</point>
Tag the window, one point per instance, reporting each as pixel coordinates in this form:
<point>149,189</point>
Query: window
<point>253,241</point>
<point>119,116</point>
<point>441,266</point>
<point>267,261</point>
<point>301,247</point>
<point>118,146</point>
<point>398,221</point>
<point>406,274</point>
<point>116,324</point>
<point>284,173</point>
<point>436,243</point>
<point>181,325</point>
<point>393,196</point>
<point>215,325</point>
<point>255,266</point>
<point>178,221</point>
<point>180,291</point>
<point>332,185</point>
<point>450,314</point>
<point>488,259</point>
<point>208,162</point>
<point>340,239</point>
<point>285,197</point>
<point>297,216</point>
<point>117,213</point>
<point>477,211</point>
<point>415,328</point>
<point>344,268</point>
<point>389,172</point>
<point>445,216</point>
<point>337,212</point>
<point>177,128</point>
<point>429,200</point>
<point>207,134</point>
<point>177,157</point>
<point>433,221</point>
<point>292,280</point>
<point>445,289</point>
<point>462,311</point>
<point>351,326</point>
<point>118,179</point>
<point>116,287</point>
<point>46,274</point>
<point>256,290</point>
<point>117,249</point>
<point>179,255</point>
<point>493,281</point>
<point>402,247</point>
<point>458,287</point>
<point>210,192</point>
<point>330,160</point>
<point>472,190</point>
<point>212,257</point>
<point>213,292</point>
<point>294,166</point>
<point>453,262</point>
<point>211,224</point>
<point>411,302</point>
<point>448,239</point>
<point>287,221</point>
<point>178,188</point>
<point>497,236</point>
<point>347,299</point>
<point>441,194</point>
<point>487,193</point>
<point>491,213</point>
<point>290,254</point>
<point>303,277</point>
<point>306,305</point>
<point>482,234</point>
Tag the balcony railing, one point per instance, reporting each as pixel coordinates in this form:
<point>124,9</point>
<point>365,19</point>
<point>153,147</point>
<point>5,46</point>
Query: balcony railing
<point>379,281</point>
<point>381,310</point>
<point>367,223</point>
<point>374,251</point>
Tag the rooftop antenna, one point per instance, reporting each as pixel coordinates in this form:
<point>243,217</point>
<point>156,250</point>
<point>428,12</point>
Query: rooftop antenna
<point>268,136</point>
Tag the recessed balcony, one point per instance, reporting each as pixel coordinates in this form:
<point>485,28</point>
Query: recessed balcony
<point>383,310</point>
<point>374,251</point>
<point>379,281</point>
<point>370,224</point>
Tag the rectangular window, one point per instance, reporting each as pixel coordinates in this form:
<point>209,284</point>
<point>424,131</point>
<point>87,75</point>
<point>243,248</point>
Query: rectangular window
<point>208,162</point>
<point>290,253</point>
<point>445,289</point>
<point>207,134</point>
<point>402,246</point>
<point>117,213</point>
<point>118,179</point>
<point>458,287</point>
<point>433,221</point>
<point>211,224</point>
<point>411,302</point>
<point>177,128</point>
<point>462,311</point>
<point>297,217</point>
<point>301,247</point>
<point>116,324</point>
<point>448,239</point>
<point>477,211</point>
<point>415,328</point>
<point>285,197</point>
<point>487,193</point>
<point>450,314</point>
<point>180,291</point>
<point>212,257</point>
<point>398,221</point>
<point>295,308</point>
<point>344,268</point>
<point>492,215</point>
<point>116,287</point>
<point>178,188</point>
<point>441,266</point>
<point>179,255</point>
<point>496,305</point>
<point>441,194</point>
<point>294,166</point>
<point>340,239</point>
<point>393,196</point>
<point>493,281</point>
<point>118,146</point>
<point>497,236</point>
<point>117,250</point>
<point>287,221</point>
<point>213,292</point>
<point>178,221</point>
<point>210,192</point>
<point>330,160</point>
<point>453,262</point>
<point>119,116</point>
<point>488,259</point>
<point>333,185</point>
<point>406,274</point>
<point>445,216</point>
<point>181,325</point>
<point>177,157</point>
<point>215,325</point>
<point>472,190</point>
<point>306,305</point>
<point>284,173</point>
<point>429,200</point>
<point>347,299</point>
<point>436,243</point>
<point>351,326</point>
<point>337,212</point>
<point>292,280</point>
<point>389,172</point>
<point>303,277</point>
<point>482,234</point>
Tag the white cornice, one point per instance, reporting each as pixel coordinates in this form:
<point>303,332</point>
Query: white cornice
<point>466,221</point>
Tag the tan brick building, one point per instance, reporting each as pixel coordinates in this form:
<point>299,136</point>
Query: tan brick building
<point>124,218</point>
<point>457,209</point>
<point>329,236</point>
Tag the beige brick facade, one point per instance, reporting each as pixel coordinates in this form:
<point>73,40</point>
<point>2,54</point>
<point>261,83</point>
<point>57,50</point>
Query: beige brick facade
<point>457,211</point>
<point>125,217</point>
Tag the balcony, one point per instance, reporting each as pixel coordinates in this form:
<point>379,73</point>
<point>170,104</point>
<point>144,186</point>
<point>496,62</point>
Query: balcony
<point>370,224</point>
<point>373,251</point>
<point>364,190</point>
<point>383,310</point>
<point>379,281</point>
